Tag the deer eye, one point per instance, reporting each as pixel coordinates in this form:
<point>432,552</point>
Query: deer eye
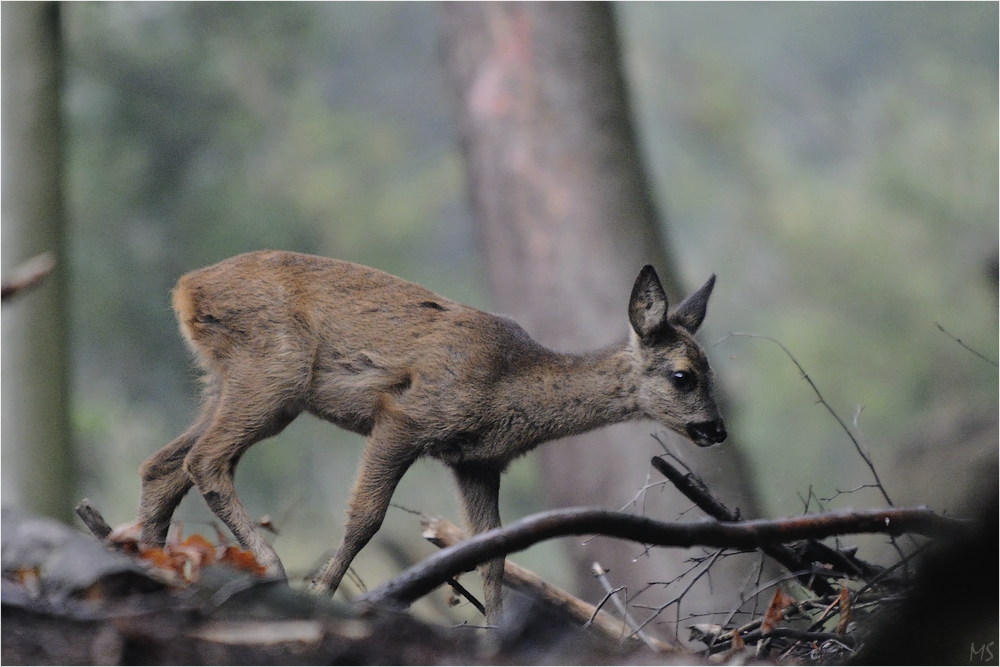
<point>683,380</point>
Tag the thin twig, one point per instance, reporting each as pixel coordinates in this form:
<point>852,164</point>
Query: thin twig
<point>864,445</point>
<point>718,641</point>
<point>887,571</point>
<point>798,635</point>
<point>356,580</point>
<point>622,608</point>
<point>665,584</point>
<point>760,575</point>
<point>470,626</point>
<point>959,341</point>
<point>673,455</point>
<point>861,436</point>
<point>824,403</point>
<point>406,509</point>
<point>607,597</point>
<point>838,492</point>
<point>696,490</point>
<point>677,599</point>
<point>463,591</point>
<point>641,495</point>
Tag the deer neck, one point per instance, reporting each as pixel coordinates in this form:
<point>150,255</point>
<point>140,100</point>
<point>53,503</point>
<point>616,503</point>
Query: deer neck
<point>565,394</point>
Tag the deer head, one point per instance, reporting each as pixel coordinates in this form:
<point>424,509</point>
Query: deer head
<point>675,381</point>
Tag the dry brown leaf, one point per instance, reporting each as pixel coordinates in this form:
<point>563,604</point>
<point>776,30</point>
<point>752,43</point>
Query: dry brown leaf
<point>126,536</point>
<point>182,560</point>
<point>197,552</point>
<point>845,610</point>
<point>775,611</point>
<point>242,560</point>
<point>163,559</point>
<point>196,549</point>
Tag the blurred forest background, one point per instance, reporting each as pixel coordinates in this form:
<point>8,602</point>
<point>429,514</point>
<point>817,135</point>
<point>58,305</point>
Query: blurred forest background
<point>835,164</point>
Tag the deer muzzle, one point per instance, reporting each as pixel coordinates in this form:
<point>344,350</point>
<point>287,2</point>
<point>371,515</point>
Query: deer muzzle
<point>706,434</point>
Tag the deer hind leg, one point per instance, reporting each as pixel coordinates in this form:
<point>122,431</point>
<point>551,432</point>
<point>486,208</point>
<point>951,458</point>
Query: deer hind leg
<point>164,481</point>
<point>243,417</point>
<point>480,490</point>
<point>386,457</point>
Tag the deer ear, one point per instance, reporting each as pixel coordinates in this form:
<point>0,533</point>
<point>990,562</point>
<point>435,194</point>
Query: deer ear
<point>690,314</point>
<point>647,308</point>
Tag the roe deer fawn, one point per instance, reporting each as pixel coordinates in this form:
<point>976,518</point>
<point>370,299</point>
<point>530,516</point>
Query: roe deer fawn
<point>279,333</point>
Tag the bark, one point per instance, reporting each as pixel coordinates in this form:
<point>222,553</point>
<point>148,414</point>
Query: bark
<point>433,571</point>
<point>37,471</point>
<point>443,533</point>
<point>566,220</point>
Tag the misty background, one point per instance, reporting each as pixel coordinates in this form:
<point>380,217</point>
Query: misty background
<point>836,165</point>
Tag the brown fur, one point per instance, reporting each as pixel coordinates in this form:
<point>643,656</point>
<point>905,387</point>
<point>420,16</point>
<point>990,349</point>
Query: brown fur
<point>279,333</point>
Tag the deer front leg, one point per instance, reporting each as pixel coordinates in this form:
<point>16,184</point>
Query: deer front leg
<point>385,459</point>
<point>479,486</point>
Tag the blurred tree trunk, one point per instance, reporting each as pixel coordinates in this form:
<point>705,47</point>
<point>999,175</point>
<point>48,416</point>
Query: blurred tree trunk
<point>37,470</point>
<point>566,220</point>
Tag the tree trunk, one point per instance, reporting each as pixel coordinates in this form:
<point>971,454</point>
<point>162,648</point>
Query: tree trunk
<point>566,220</point>
<point>37,470</point>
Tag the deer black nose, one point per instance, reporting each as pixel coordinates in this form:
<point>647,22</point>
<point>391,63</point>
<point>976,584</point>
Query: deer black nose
<point>707,433</point>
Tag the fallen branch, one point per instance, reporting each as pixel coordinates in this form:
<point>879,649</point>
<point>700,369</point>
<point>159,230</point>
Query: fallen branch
<point>424,577</point>
<point>93,519</point>
<point>794,561</point>
<point>443,533</point>
<point>695,491</point>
